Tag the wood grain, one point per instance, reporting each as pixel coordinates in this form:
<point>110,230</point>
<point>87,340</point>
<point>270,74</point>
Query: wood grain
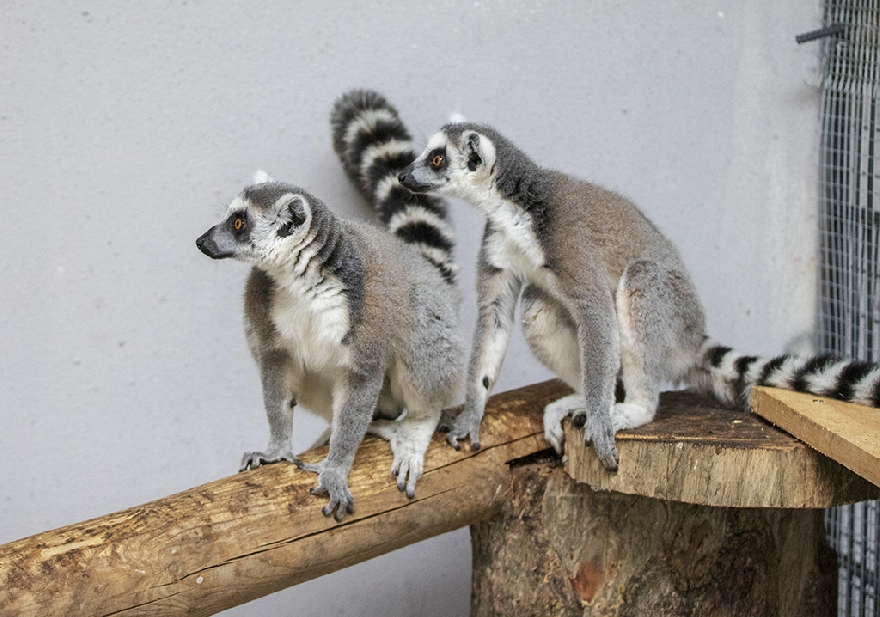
<point>559,548</point>
<point>845,432</point>
<point>227,542</point>
<point>697,452</point>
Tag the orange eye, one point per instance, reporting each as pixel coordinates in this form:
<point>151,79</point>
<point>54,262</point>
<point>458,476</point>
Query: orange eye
<point>238,224</point>
<point>437,161</point>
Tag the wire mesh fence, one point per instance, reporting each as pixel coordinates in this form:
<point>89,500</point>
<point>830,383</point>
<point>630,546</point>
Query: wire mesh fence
<point>849,319</point>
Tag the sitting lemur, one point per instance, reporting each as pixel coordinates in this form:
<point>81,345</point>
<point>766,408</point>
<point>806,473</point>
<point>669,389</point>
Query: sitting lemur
<point>604,293</point>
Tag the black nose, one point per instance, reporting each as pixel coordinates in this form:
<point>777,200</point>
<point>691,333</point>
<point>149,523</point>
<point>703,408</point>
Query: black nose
<point>401,177</point>
<point>207,245</point>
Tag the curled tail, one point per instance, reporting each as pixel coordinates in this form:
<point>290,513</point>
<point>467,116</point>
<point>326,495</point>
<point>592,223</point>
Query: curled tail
<point>730,375</point>
<point>374,147</point>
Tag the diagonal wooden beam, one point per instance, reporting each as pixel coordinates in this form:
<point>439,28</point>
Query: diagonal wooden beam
<point>228,542</point>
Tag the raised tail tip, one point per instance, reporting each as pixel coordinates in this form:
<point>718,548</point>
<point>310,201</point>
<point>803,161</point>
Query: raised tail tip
<point>364,119</point>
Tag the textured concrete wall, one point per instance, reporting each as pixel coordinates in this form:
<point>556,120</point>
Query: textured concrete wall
<point>124,129</point>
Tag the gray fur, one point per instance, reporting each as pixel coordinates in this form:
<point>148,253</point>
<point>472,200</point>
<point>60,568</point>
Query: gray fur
<point>349,322</point>
<point>605,294</point>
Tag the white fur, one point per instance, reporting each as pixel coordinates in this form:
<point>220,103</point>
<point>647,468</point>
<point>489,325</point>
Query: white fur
<point>513,245</point>
<point>826,381</point>
<point>783,376</point>
<point>311,316</point>
<point>727,369</point>
<point>366,121</point>
<point>412,214</point>
<point>864,388</point>
<point>384,186</point>
<point>392,146</point>
<point>261,177</point>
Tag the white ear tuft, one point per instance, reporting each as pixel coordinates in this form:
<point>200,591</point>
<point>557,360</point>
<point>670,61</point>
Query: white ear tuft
<point>457,117</point>
<point>261,177</point>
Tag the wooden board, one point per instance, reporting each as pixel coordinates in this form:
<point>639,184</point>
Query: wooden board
<point>845,432</point>
<point>230,541</point>
<point>697,452</point>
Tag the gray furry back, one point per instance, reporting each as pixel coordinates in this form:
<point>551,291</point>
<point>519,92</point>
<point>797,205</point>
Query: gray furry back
<point>375,147</point>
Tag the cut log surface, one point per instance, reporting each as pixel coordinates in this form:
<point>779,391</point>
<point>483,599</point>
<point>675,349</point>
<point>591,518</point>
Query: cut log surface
<point>698,452</point>
<point>230,541</point>
<point>845,432</point>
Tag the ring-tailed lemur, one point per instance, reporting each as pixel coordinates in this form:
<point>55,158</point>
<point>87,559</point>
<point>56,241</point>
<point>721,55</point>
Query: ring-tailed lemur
<point>605,292</point>
<point>344,318</point>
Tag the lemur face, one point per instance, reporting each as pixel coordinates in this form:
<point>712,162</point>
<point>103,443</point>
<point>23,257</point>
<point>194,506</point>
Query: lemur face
<point>456,161</point>
<point>263,224</point>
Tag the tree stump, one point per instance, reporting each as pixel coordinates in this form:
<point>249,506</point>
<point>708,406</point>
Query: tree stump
<point>559,548</point>
<point>712,512</point>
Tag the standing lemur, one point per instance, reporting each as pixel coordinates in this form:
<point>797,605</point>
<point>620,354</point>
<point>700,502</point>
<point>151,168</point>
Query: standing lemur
<point>351,321</point>
<point>605,293</point>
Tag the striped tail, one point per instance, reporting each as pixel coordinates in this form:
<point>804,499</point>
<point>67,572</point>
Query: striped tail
<point>374,147</point>
<point>730,375</point>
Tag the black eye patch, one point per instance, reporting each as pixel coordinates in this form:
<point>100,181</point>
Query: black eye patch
<point>437,159</point>
<point>238,225</point>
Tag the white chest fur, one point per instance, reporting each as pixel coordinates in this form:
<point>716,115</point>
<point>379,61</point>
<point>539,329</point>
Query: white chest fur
<point>310,313</point>
<point>512,243</point>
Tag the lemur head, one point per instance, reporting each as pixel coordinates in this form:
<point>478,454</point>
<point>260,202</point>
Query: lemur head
<point>264,224</point>
<point>458,160</point>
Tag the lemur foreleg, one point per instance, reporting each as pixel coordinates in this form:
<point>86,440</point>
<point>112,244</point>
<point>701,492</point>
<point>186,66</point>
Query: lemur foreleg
<point>352,413</point>
<point>279,401</point>
<point>498,291</point>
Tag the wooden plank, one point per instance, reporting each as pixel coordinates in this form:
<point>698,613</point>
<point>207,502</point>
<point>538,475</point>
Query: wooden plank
<point>845,432</point>
<point>227,542</point>
<point>697,452</point>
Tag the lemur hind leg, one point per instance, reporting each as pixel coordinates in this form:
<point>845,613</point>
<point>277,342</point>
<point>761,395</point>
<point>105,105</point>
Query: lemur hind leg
<point>409,443</point>
<point>661,327</point>
<point>552,336</point>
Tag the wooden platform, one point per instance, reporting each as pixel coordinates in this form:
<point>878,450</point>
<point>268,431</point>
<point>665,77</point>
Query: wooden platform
<point>698,452</point>
<point>847,433</point>
<point>241,537</point>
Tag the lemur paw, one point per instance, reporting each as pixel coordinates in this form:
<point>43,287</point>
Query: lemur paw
<point>467,424</point>
<point>252,460</point>
<point>554,414</point>
<point>407,469</point>
<point>332,480</point>
<point>599,431</point>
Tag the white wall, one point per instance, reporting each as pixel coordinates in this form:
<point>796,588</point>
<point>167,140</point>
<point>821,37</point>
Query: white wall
<point>125,128</point>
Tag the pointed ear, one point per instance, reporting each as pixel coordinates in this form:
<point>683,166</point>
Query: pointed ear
<point>292,215</point>
<point>261,177</point>
<point>474,154</point>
